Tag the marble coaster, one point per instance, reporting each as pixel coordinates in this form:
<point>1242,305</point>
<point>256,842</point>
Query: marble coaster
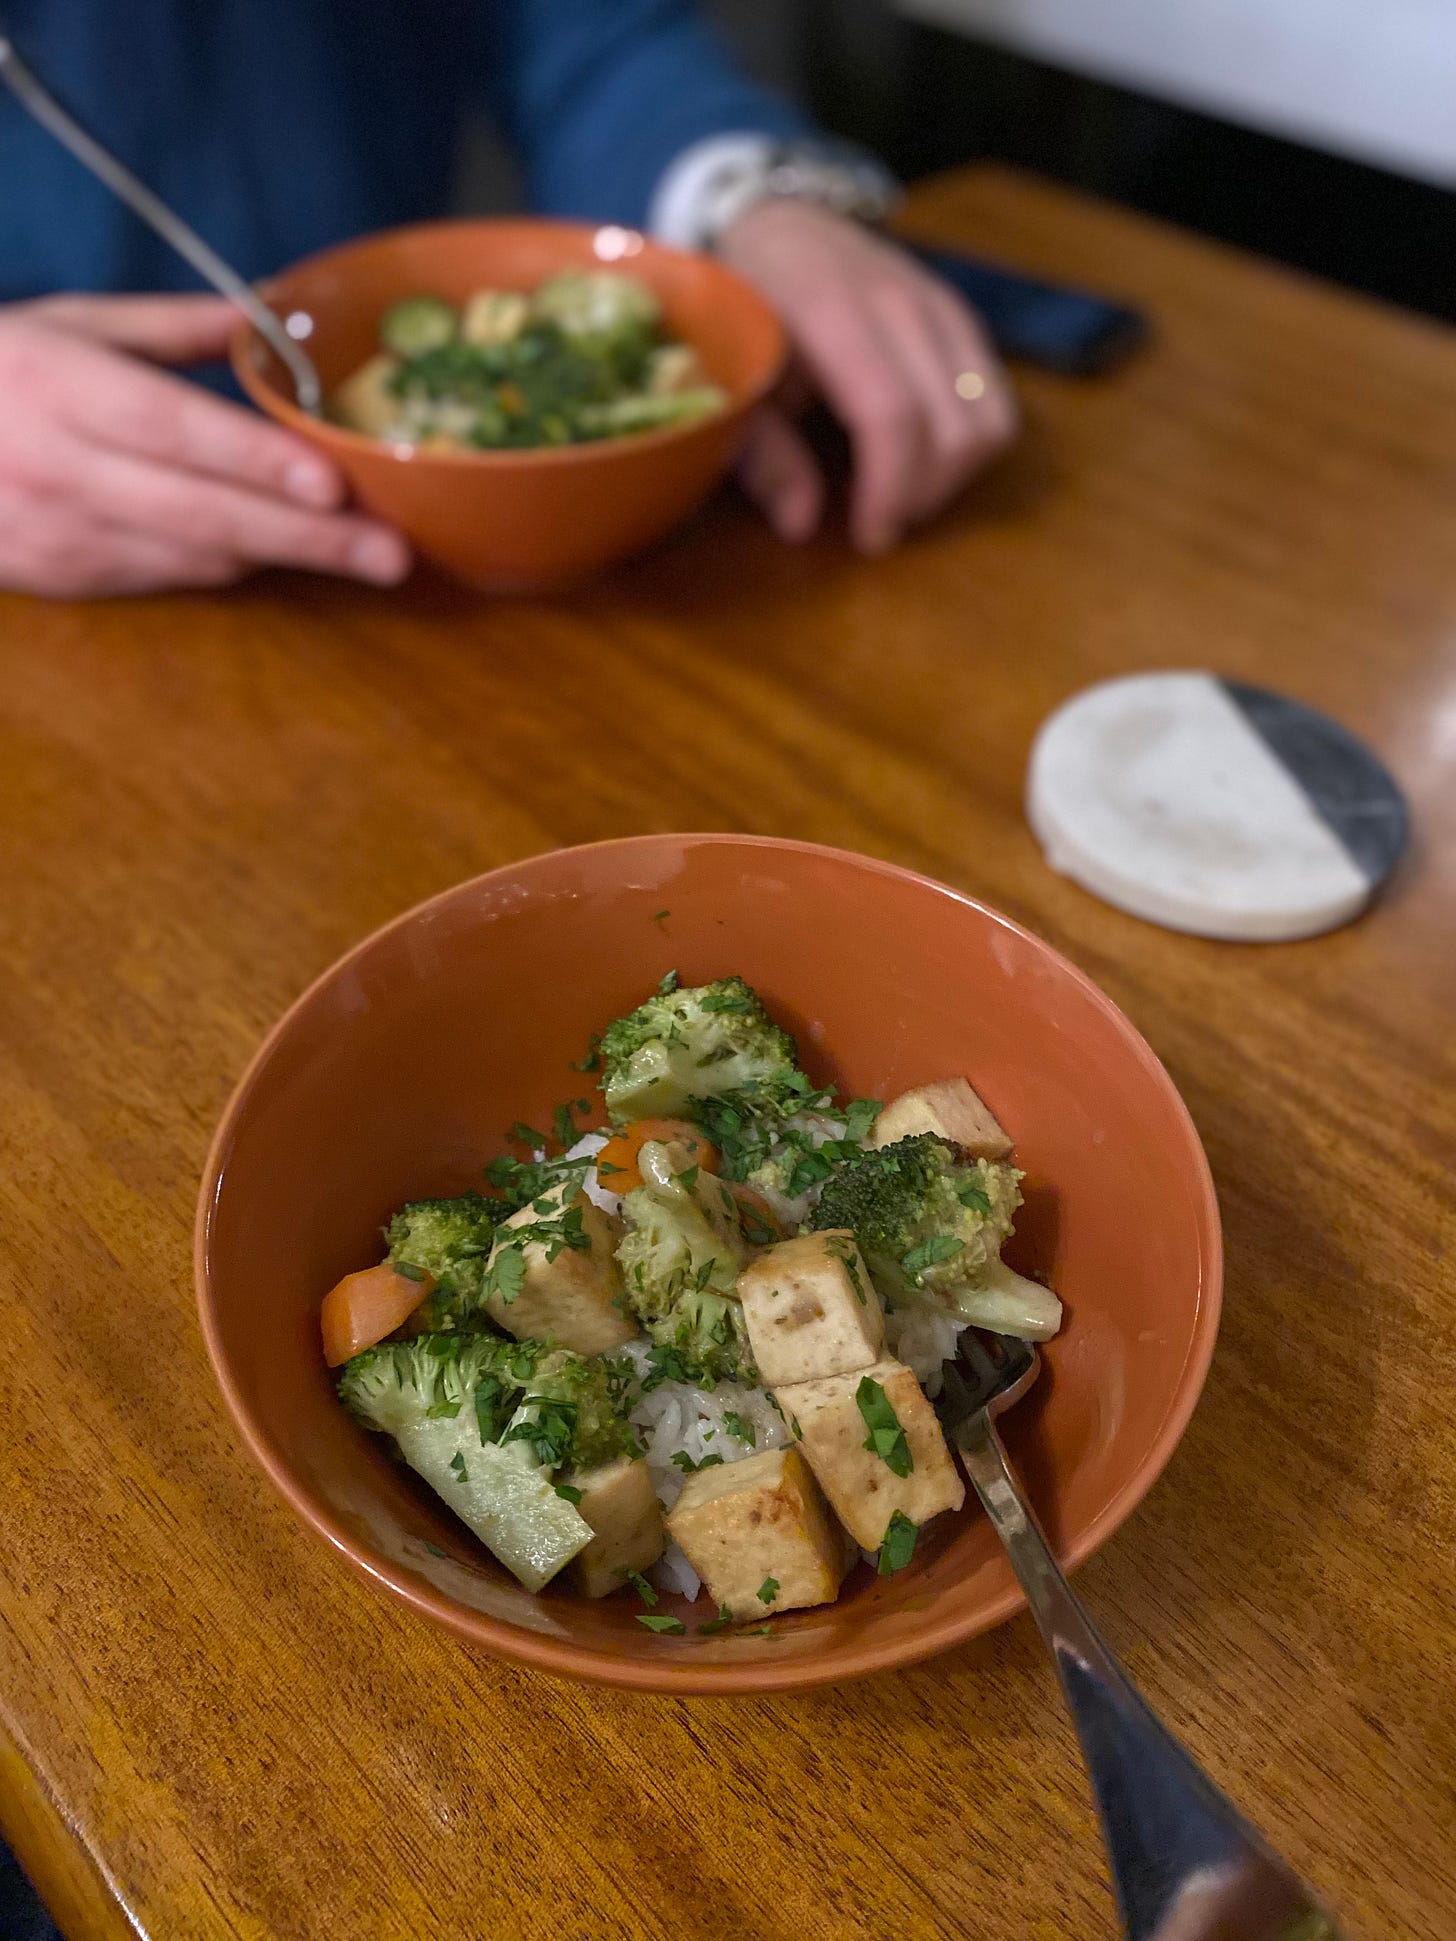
<point>1215,807</point>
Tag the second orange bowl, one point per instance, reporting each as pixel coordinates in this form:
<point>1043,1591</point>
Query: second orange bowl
<point>519,520</point>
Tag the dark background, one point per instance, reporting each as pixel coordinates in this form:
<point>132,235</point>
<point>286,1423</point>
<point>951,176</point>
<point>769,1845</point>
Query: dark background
<point>928,100</point>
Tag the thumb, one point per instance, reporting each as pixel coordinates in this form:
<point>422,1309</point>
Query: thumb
<point>169,329</point>
<point>779,473</point>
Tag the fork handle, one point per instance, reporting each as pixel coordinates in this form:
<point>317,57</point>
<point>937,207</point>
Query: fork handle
<point>1186,1864</point>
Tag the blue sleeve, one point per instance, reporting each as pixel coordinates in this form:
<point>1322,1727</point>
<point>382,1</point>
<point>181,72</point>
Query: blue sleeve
<point>597,97</point>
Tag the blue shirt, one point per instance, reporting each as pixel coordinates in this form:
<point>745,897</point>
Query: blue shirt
<point>277,127</point>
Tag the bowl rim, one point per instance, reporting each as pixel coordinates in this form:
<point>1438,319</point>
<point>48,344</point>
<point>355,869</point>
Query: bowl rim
<point>276,403</point>
<point>836,1664</point>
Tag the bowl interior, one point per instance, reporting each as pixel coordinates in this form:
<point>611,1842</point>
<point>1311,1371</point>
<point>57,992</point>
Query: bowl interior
<point>343,292</point>
<point>398,1073</point>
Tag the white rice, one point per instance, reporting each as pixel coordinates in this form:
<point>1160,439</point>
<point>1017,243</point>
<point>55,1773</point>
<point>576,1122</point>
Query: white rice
<point>922,1337</point>
<point>587,1147</point>
<point>676,1417</point>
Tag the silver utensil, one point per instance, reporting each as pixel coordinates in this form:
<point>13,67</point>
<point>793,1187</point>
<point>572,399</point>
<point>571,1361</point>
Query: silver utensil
<point>1186,1864</point>
<point>38,101</point>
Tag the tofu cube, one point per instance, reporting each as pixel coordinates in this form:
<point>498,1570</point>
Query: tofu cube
<point>811,1309</point>
<point>952,1110</point>
<point>495,317</point>
<point>364,401</point>
<point>763,1518</point>
<point>575,1299</point>
<point>862,1488</point>
<point>621,1506</point>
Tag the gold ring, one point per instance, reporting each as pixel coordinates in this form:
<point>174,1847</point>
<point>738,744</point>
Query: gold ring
<point>970,385</point>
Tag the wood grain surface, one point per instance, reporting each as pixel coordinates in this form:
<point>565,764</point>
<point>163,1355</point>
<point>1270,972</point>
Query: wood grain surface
<point>204,799</point>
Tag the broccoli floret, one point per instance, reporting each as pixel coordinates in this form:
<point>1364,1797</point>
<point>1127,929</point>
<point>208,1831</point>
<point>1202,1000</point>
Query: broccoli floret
<point>571,1408</point>
<point>592,307</point>
<point>598,1392</point>
<point>488,1424</point>
<point>680,1259</point>
<point>450,1240</point>
<point>704,1043</point>
<point>928,1220</point>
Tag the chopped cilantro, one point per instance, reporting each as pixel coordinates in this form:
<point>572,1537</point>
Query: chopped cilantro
<point>719,1623</point>
<point>842,1246</point>
<point>796,1431</point>
<point>735,1001</point>
<point>410,1272</point>
<point>688,1467</point>
<point>548,1427</point>
<point>564,1123</point>
<point>506,1275</point>
<point>435,1550</point>
<point>457,1463</point>
<point>756,1228</point>
<point>661,916</point>
<point>768,1590</point>
<point>566,1490</point>
<point>808,1170</point>
<point>668,985</point>
<point>673,1365</point>
<point>523,1181</point>
<point>886,1434</point>
<point>488,1397</point>
<point>593,1060</point>
<point>656,1621</point>
<point>643,1589</point>
<point>897,1546</point>
<point>736,1426</point>
<point>941,1246</point>
<point>859,1120</point>
<point>975,1197</point>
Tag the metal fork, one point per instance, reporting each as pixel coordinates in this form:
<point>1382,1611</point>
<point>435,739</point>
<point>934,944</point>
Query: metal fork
<point>38,101</point>
<point>1186,1864</point>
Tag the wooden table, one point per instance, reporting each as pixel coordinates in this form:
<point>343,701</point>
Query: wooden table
<point>214,1730</point>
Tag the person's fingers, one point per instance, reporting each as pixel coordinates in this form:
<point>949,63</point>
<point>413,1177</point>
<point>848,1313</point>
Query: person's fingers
<point>157,416</point>
<point>780,474</point>
<point>171,329</point>
<point>937,351</point>
<point>136,562</point>
<point>71,557</point>
<point>870,397</point>
<point>971,356</point>
<point>227,520</point>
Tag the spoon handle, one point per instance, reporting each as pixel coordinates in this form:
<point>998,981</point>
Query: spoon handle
<point>1187,1865</point>
<point>39,102</point>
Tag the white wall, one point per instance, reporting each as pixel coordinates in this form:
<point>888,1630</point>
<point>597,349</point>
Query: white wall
<point>1372,79</point>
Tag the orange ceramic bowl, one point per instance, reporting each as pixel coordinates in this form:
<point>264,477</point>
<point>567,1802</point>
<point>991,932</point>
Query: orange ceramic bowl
<point>397,1074</point>
<point>519,520</point>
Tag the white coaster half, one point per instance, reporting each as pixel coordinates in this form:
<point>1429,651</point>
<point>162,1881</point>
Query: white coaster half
<point>1209,806</point>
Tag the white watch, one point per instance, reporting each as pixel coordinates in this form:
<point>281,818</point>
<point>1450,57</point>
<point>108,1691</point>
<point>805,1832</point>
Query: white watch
<point>714,181</point>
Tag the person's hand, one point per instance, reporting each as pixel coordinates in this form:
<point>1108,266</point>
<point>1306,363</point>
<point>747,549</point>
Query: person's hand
<point>116,477</point>
<point>885,342</point>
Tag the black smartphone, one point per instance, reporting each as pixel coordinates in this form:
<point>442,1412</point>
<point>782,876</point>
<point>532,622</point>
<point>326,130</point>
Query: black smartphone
<point>1063,330</point>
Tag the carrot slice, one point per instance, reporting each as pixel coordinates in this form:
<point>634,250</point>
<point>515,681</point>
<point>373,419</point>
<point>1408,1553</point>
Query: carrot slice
<point>617,1161</point>
<point>757,1219</point>
<point>365,1307</point>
